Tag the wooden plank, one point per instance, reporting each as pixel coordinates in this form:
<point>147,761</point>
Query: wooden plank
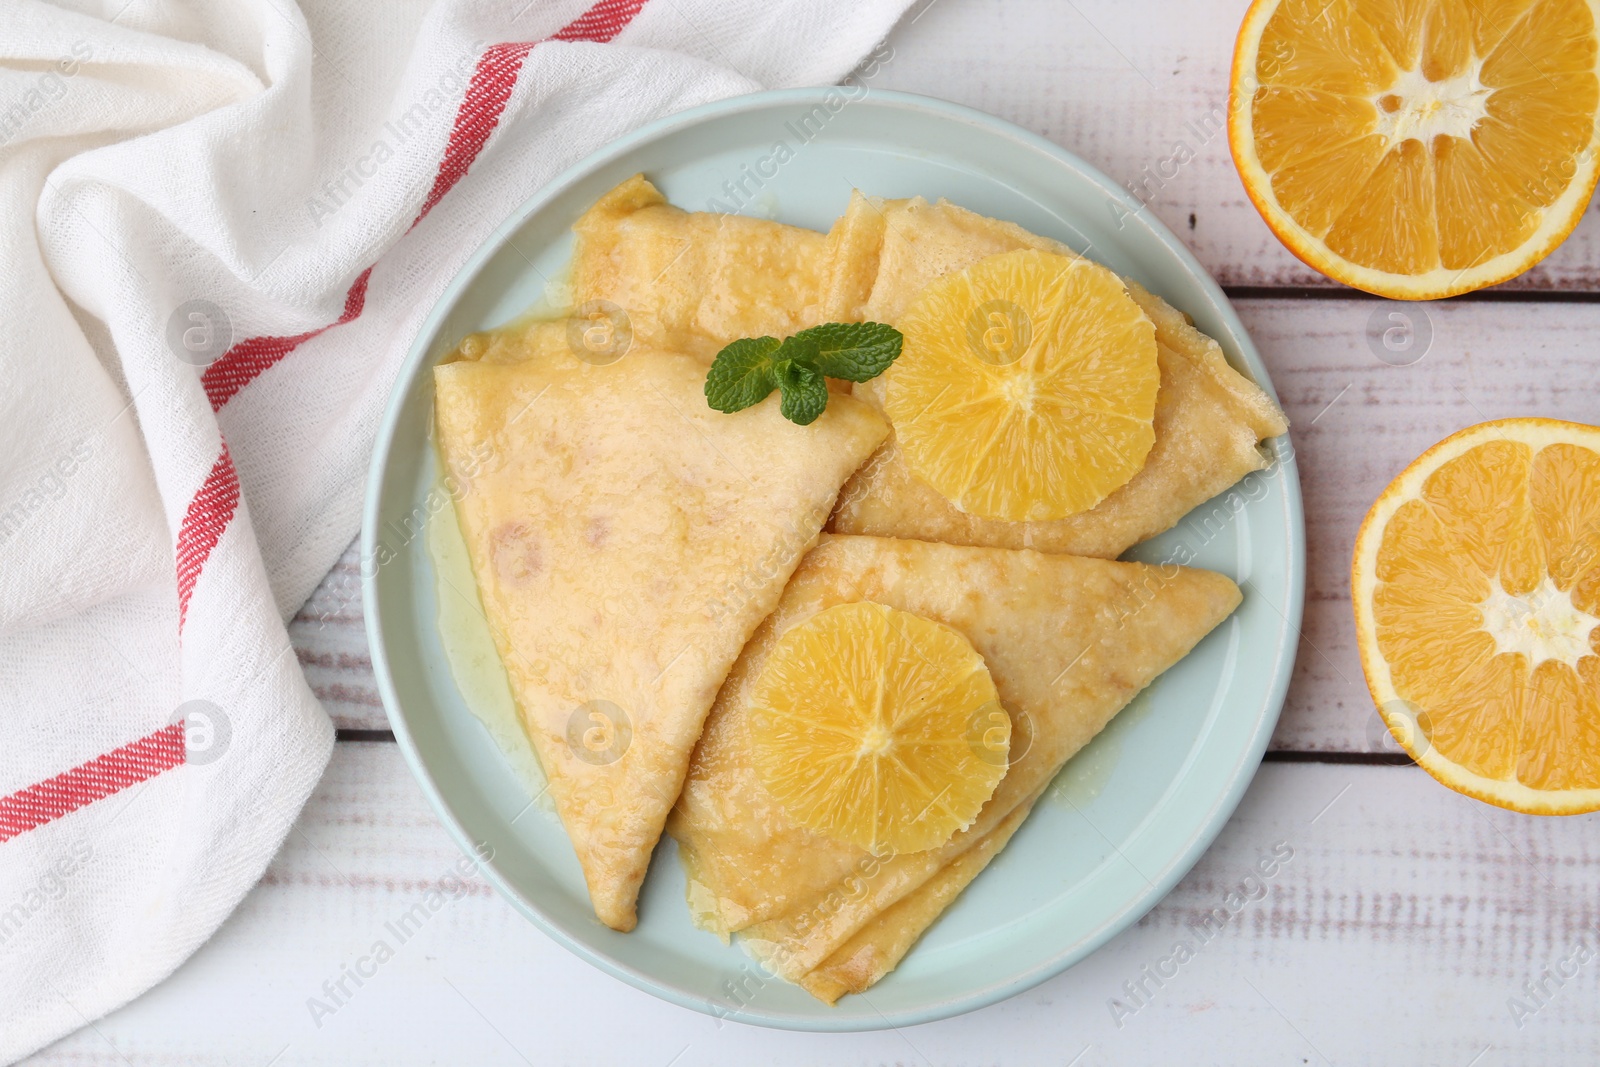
<point>1141,92</point>
<point>1123,89</point>
<point>1402,929</point>
<point>1360,411</point>
<point>329,637</point>
<point>1396,924</point>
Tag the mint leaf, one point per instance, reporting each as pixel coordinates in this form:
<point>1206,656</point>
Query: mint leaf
<point>854,351</point>
<point>805,392</point>
<point>743,374</point>
<point>746,371</point>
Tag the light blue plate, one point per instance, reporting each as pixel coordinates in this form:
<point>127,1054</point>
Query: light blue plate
<point>1129,816</point>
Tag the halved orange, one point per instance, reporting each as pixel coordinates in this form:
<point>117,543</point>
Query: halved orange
<point>1417,148</point>
<point>1476,585</point>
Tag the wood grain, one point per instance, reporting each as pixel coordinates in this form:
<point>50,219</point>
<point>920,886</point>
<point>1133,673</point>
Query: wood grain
<point>1357,418</point>
<point>329,637</point>
<point>1401,930</point>
<point>1122,88</point>
<point>1140,91</point>
<point>1395,933</point>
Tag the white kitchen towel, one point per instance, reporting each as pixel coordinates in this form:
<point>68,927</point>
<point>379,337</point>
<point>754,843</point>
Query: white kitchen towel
<point>221,224</point>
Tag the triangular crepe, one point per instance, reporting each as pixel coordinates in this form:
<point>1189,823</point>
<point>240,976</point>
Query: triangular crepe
<point>879,946</point>
<point>627,540</point>
<point>1068,640</point>
<point>1209,419</point>
<point>701,280</point>
<point>694,281</point>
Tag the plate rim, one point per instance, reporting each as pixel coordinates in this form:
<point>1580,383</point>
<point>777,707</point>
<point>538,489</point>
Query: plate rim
<point>417,356</point>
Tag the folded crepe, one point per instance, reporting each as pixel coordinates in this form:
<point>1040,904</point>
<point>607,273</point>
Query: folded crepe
<point>701,280</point>
<point>626,540</point>
<point>693,281</point>
<point>879,946</point>
<point>1068,640</point>
<point>1209,424</point>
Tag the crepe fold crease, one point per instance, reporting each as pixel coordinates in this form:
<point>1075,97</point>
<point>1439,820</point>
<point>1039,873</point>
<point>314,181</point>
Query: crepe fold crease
<point>700,280</point>
<point>1069,635</point>
<point>1069,641</point>
<point>626,541</point>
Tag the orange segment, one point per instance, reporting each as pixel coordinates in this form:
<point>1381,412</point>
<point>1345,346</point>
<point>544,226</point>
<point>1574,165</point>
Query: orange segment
<point>1491,22</point>
<point>1534,134</point>
<point>1390,222</point>
<point>1026,386</point>
<point>1319,189</point>
<point>1418,148</point>
<point>1400,26</point>
<point>1482,501</point>
<point>1476,724</point>
<point>1476,585</point>
<point>1560,743</point>
<point>1295,125</point>
<point>875,726</point>
<point>1494,218</point>
<point>1566,510</point>
<point>1551,37</point>
<point>1315,44</point>
<point>1447,39</point>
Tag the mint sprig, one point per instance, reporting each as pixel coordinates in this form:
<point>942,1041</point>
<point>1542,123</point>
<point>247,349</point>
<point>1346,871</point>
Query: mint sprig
<point>743,374</point>
<point>748,370</point>
<point>805,392</point>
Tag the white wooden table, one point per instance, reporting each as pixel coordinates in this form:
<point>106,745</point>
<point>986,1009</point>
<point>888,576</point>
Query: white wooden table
<point>1403,930</point>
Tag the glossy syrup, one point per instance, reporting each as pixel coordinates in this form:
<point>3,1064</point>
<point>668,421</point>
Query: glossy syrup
<point>474,661</point>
